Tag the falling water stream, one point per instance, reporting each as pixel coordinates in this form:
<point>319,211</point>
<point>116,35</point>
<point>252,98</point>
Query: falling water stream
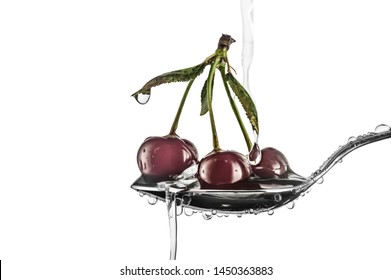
<point>247,10</point>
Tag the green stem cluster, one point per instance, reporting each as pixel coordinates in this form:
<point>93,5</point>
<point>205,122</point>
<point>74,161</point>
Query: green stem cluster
<point>217,61</point>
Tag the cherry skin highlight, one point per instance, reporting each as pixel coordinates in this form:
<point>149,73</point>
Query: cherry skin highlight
<point>272,165</point>
<point>163,158</point>
<point>223,168</point>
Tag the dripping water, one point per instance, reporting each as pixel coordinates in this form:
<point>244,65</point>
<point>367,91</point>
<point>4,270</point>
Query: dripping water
<point>291,205</point>
<point>255,154</point>
<point>142,98</point>
<point>172,220</point>
<point>188,211</point>
<point>207,215</point>
<point>152,200</point>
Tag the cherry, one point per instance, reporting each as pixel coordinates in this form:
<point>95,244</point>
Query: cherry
<point>163,158</point>
<point>223,168</point>
<point>192,147</point>
<point>272,165</point>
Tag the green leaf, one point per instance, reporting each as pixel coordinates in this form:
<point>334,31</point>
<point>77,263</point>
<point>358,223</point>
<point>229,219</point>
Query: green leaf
<point>204,97</point>
<point>183,75</point>
<point>245,99</point>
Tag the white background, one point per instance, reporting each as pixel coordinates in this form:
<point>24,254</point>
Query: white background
<point>70,133</point>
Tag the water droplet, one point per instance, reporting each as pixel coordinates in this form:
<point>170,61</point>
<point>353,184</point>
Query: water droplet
<point>219,215</point>
<point>302,194</point>
<point>352,138</point>
<point>152,200</point>
<point>179,210</point>
<point>382,128</point>
<point>207,215</point>
<point>291,205</point>
<point>186,199</point>
<point>277,197</point>
<point>178,201</point>
<point>214,212</point>
<point>270,212</point>
<point>162,186</point>
<point>255,155</point>
<point>188,211</point>
<point>141,194</point>
<point>142,98</point>
<point>251,211</point>
<point>320,180</point>
<point>239,215</point>
<point>308,190</point>
<point>226,215</point>
<point>340,160</point>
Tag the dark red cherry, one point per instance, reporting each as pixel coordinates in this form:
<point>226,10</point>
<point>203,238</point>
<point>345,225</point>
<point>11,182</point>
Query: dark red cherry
<point>192,147</point>
<point>223,167</point>
<point>163,158</point>
<point>272,165</point>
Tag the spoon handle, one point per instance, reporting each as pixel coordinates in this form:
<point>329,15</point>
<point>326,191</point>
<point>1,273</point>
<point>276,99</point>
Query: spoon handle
<point>353,143</point>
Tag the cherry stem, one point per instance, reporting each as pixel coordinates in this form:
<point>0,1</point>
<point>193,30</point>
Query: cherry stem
<point>216,146</point>
<point>174,125</point>
<point>235,109</point>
